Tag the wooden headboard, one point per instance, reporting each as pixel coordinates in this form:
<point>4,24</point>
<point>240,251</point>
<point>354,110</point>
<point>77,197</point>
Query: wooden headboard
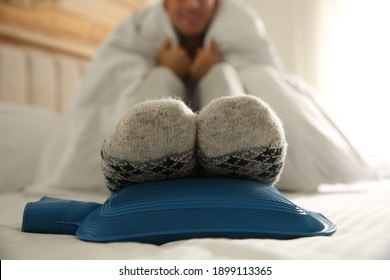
<point>45,46</point>
<point>73,27</point>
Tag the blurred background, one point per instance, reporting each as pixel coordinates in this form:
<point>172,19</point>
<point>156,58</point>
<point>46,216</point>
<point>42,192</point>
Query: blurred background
<point>341,47</point>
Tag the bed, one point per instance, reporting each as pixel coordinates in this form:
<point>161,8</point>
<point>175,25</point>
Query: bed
<point>29,110</point>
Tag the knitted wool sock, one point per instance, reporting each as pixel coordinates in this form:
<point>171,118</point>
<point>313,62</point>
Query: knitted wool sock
<point>241,137</point>
<point>155,140</point>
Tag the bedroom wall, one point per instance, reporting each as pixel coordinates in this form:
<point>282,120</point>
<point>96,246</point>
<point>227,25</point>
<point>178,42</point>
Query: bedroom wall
<point>299,30</point>
<point>278,17</point>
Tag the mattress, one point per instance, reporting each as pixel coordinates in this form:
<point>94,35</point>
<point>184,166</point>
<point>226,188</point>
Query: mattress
<point>361,212</point>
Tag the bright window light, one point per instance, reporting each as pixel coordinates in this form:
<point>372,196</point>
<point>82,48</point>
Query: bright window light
<point>356,73</point>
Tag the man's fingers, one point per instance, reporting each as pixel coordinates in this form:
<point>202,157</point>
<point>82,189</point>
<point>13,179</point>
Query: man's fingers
<point>167,44</point>
<point>213,45</point>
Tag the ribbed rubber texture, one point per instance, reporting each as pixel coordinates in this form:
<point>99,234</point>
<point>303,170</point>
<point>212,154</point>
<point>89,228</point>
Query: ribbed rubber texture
<point>164,211</point>
<point>54,215</point>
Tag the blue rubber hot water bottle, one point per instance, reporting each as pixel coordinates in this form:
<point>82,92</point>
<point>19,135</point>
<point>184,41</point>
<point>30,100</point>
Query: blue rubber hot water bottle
<point>165,211</point>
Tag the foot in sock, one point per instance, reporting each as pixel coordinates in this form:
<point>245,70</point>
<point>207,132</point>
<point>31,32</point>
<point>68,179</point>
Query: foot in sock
<point>155,140</point>
<point>240,137</point>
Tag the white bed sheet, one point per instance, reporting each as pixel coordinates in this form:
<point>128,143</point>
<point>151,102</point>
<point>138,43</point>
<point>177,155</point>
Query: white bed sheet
<point>360,211</point>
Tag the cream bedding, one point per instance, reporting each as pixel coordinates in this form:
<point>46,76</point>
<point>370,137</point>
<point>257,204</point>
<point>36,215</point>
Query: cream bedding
<point>360,211</point>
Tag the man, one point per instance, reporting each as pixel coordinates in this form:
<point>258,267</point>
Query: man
<point>236,137</point>
<point>190,60</point>
<point>190,20</point>
<point>198,51</point>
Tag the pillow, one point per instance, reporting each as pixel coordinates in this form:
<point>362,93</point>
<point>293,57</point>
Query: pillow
<point>164,211</point>
<point>23,131</point>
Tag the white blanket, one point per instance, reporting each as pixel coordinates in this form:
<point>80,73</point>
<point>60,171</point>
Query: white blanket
<point>318,152</point>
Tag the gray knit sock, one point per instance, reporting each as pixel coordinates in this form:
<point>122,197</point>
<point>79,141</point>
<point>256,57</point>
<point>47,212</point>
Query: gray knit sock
<point>241,137</point>
<point>155,140</point>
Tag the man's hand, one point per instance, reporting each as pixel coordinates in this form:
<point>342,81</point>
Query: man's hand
<point>174,58</point>
<point>204,60</point>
